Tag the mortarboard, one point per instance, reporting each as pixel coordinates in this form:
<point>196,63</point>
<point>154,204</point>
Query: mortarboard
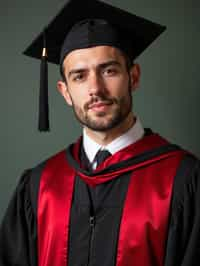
<point>88,23</point>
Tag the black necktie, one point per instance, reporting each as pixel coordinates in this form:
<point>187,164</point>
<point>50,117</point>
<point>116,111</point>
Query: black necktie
<point>94,193</point>
<point>101,156</point>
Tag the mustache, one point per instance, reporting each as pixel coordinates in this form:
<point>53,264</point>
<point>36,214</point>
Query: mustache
<point>99,99</point>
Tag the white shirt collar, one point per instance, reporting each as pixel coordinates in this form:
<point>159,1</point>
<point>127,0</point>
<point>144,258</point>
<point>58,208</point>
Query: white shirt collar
<point>135,133</point>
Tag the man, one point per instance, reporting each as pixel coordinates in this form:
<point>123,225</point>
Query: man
<point>139,206</point>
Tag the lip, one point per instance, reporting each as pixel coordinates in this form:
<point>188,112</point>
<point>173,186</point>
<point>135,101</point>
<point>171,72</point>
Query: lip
<point>100,106</point>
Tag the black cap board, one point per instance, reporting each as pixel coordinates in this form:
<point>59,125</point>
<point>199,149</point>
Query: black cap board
<point>88,23</point>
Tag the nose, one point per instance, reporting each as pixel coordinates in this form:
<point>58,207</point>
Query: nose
<point>96,84</point>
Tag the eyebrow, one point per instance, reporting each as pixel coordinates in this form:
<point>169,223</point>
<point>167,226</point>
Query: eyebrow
<point>100,66</point>
<point>109,63</point>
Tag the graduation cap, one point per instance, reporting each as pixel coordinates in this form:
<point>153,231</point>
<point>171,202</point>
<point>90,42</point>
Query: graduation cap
<point>83,24</point>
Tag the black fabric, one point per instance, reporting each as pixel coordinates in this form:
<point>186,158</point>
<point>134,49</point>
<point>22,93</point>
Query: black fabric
<point>183,244</point>
<point>43,121</point>
<point>18,231</point>
<point>18,234</point>
<point>101,156</point>
<point>137,31</point>
<point>96,32</point>
<point>106,210</point>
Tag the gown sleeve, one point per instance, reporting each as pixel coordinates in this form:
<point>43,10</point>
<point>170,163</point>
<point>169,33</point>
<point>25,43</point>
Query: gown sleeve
<point>183,245</point>
<point>18,229</point>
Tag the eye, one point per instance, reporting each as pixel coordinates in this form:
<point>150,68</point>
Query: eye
<point>110,71</point>
<point>78,77</point>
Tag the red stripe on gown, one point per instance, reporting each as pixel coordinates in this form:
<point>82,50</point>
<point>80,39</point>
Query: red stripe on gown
<point>144,223</point>
<point>54,205</point>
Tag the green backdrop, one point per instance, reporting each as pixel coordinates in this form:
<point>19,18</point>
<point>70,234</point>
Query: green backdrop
<point>167,101</point>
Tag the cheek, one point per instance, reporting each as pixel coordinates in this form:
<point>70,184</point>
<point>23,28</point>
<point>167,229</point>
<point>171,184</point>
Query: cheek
<point>68,98</point>
<point>78,91</point>
<point>118,87</point>
<point>78,98</point>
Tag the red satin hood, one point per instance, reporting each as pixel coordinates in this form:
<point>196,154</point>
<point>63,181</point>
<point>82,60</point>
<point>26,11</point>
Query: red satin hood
<point>148,150</point>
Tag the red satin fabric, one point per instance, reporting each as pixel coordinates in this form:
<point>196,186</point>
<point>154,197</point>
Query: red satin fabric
<point>144,223</point>
<point>54,204</point>
<point>99,179</point>
<point>146,144</point>
<point>145,214</point>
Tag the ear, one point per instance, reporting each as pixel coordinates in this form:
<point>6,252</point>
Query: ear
<point>135,74</point>
<point>62,88</point>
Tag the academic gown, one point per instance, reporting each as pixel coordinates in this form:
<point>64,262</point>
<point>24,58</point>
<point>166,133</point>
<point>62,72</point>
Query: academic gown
<point>104,204</point>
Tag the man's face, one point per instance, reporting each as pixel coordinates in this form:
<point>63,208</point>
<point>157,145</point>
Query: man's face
<point>98,87</point>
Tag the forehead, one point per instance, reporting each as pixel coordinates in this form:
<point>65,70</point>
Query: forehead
<point>92,56</point>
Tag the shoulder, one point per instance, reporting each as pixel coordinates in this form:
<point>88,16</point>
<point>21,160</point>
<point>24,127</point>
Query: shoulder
<point>36,171</point>
<point>189,170</point>
<point>29,182</point>
<point>187,180</point>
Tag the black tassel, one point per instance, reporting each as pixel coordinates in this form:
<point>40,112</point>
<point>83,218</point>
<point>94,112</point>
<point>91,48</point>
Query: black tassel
<point>43,101</point>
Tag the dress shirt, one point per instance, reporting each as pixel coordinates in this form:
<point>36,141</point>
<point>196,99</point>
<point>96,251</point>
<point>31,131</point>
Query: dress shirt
<point>135,133</point>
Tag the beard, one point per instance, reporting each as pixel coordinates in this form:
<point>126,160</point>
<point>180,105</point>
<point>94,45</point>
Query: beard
<point>119,109</point>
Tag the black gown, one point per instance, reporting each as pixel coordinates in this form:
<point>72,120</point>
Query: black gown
<point>18,233</point>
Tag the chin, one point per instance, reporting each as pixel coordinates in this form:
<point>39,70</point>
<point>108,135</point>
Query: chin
<point>102,126</point>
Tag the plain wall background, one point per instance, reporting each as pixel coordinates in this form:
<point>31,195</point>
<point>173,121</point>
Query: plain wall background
<point>167,101</point>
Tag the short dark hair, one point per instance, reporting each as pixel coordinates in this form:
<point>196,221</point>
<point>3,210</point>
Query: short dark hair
<point>62,73</point>
<point>128,61</point>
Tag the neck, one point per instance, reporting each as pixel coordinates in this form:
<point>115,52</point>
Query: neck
<point>106,137</point>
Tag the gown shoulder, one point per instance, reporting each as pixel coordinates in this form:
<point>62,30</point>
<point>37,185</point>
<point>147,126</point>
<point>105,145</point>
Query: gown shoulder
<point>18,230</point>
<point>183,244</point>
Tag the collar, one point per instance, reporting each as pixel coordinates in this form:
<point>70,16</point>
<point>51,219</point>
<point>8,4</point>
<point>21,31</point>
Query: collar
<point>135,133</point>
